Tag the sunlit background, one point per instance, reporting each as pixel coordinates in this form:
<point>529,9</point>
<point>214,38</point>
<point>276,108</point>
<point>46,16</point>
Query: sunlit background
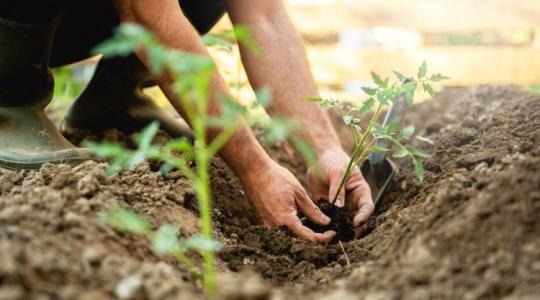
<point>472,41</point>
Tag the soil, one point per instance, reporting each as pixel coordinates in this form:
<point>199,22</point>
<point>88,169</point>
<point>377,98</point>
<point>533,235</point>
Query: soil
<point>470,231</point>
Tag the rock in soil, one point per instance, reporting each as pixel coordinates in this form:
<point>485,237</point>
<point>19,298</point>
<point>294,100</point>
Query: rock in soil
<point>470,231</point>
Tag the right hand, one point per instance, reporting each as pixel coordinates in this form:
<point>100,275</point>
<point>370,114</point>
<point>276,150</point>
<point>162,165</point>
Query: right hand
<point>275,194</point>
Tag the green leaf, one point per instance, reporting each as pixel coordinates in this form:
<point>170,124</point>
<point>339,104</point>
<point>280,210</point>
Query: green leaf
<point>408,89</point>
<point>314,99</point>
<point>419,169</point>
<point>165,240</point>
<point>422,71</point>
<point>369,91</point>
<point>419,153</point>
<point>156,57</point>
<point>438,77</point>
<point>402,152</point>
<point>264,96</point>
<point>201,244</point>
<point>428,89</point>
<point>181,145</point>
<point>277,129</point>
<point>393,126</point>
<point>305,149</point>
<point>146,136</point>
<point>125,220</point>
<point>377,79</point>
<point>400,76</point>
<point>127,38</point>
<point>244,37</point>
<point>407,132</point>
<point>222,40</point>
<point>348,119</point>
<point>366,106</point>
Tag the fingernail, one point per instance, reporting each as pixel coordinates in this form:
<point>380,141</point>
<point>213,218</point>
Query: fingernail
<point>339,204</point>
<point>325,218</point>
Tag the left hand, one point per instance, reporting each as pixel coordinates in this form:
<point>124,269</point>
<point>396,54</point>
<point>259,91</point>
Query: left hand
<point>325,183</point>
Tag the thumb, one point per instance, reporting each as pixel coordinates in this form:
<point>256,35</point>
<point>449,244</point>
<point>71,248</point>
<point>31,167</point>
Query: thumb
<point>310,210</point>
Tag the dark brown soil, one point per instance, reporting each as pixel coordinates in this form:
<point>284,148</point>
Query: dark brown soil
<point>341,222</point>
<point>470,231</point>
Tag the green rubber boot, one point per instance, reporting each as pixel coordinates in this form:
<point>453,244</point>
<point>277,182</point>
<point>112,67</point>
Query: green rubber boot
<point>27,137</point>
<point>114,98</point>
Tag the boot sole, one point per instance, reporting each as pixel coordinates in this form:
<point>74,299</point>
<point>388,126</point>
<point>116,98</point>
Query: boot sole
<point>14,161</point>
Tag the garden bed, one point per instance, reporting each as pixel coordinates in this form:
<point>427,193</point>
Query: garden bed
<point>471,230</point>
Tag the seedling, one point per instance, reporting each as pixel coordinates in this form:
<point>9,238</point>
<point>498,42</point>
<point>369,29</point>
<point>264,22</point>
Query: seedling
<point>381,95</point>
<point>191,75</point>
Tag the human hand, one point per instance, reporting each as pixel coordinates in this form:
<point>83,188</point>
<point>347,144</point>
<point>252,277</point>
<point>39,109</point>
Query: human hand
<point>324,183</point>
<point>275,194</point>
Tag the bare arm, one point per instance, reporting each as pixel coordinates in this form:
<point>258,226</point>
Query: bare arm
<point>283,67</point>
<point>273,192</point>
<point>172,28</point>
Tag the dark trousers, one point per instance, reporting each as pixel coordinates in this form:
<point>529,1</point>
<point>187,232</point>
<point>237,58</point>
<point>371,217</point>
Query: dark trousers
<point>87,23</point>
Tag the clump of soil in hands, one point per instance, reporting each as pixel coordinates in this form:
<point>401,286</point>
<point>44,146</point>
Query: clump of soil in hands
<point>341,223</point>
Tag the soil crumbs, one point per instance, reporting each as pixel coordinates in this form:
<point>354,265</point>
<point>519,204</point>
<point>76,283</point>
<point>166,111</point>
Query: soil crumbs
<point>470,231</point>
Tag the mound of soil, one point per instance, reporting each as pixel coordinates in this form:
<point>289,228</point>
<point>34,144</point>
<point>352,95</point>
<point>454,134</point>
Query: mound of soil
<point>471,230</point>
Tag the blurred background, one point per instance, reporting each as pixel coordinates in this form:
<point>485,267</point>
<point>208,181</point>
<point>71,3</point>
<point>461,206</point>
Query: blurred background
<point>472,41</point>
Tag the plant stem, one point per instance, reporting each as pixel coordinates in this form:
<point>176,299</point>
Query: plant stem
<point>356,153</point>
<point>204,197</point>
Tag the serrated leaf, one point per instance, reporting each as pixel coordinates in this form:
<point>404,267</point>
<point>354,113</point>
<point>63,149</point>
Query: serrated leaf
<point>428,89</point>
<point>402,152</point>
<point>407,132</point>
<point>377,79</point>
<point>165,240</point>
<point>419,169</point>
<point>438,77</point>
<point>369,91</point>
<point>146,136</point>
<point>422,71</point>
<point>366,106</point>
<point>125,220</point>
<point>400,76</point>
<point>347,119</point>
<point>393,126</point>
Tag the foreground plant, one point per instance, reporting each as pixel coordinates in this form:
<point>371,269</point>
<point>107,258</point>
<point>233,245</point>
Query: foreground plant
<point>191,76</point>
<point>381,96</point>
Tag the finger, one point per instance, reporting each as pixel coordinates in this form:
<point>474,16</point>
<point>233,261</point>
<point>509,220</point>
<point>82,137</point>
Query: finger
<point>310,210</point>
<point>362,194</point>
<point>334,186</point>
<point>302,231</point>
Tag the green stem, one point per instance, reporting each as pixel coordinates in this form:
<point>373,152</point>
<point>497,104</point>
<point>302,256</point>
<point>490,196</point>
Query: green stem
<point>204,196</point>
<point>356,152</point>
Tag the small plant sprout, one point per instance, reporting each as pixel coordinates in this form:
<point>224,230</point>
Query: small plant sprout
<point>382,95</point>
<point>191,76</point>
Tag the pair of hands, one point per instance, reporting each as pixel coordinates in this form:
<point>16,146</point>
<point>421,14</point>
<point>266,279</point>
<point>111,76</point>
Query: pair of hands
<point>276,195</point>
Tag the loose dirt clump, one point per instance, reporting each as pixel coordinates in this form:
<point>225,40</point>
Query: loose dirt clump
<point>471,230</point>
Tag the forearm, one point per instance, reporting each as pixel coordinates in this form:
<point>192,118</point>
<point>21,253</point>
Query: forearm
<point>174,31</point>
<point>284,68</point>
